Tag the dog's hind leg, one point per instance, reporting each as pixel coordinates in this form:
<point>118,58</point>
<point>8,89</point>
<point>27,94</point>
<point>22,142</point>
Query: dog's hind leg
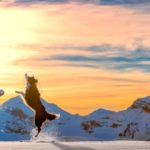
<point>39,119</point>
<point>39,130</point>
<point>38,125</point>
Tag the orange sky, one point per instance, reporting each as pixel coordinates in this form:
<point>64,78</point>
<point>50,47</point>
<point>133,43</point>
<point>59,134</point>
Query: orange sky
<point>78,52</point>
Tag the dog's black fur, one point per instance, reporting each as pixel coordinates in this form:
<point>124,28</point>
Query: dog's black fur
<point>32,99</point>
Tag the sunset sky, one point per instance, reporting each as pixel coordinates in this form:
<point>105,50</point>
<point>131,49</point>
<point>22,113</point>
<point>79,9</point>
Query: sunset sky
<point>86,54</point>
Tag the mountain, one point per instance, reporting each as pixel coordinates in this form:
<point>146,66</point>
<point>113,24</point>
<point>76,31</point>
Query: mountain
<point>17,122</point>
<point>99,114</point>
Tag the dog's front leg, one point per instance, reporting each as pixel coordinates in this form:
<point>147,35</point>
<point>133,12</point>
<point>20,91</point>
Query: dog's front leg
<point>21,93</point>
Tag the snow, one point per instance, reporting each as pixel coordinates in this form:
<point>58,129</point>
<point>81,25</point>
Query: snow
<point>100,113</point>
<point>16,122</point>
<point>146,99</point>
<point>87,145</point>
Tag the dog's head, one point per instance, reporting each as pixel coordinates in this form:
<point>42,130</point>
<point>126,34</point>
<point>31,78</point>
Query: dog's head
<point>31,80</point>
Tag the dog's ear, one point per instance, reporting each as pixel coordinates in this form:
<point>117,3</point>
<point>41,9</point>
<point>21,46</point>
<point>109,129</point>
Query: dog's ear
<point>36,81</point>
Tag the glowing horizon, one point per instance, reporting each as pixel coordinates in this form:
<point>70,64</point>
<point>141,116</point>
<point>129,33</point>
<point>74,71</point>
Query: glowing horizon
<point>83,61</point>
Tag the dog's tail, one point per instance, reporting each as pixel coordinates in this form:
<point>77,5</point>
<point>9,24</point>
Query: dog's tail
<point>51,116</point>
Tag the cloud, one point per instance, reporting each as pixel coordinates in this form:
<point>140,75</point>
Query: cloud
<point>125,80</point>
<point>124,1</point>
<point>100,2</point>
<point>55,1</point>
<point>107,57</point>
<point>113,59</point>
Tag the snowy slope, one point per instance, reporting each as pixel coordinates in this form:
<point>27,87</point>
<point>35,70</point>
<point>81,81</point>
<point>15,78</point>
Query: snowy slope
<point>17,122</point>
<point>99,114</point>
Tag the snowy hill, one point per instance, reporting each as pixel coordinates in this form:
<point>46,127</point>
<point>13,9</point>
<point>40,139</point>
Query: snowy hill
<point>99,114</point>
<point>17,123</point>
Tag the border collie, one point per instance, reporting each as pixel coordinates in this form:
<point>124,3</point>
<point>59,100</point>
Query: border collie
<point>32,99</point>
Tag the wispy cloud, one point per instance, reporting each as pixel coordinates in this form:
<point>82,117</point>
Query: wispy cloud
<point>123,1</point>
<point>116,79</point>
<point>105,56</point>
<point>118,59</point>
<point>34,1</point>
<point>98,2</point>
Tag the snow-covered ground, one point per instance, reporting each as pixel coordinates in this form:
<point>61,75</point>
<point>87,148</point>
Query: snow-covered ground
<point>88,145</point>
